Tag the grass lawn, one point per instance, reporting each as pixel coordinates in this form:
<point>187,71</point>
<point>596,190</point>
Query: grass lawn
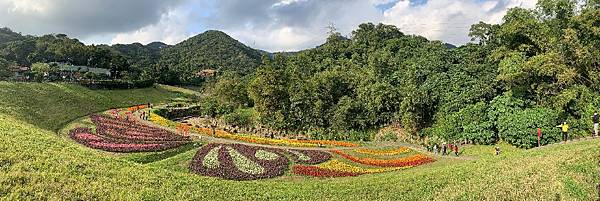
<point>36,163</point>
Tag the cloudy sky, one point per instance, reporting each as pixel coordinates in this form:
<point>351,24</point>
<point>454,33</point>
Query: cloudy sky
<point>273,25</point>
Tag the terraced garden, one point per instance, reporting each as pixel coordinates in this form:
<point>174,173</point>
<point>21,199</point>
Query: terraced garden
<point>41,159</point>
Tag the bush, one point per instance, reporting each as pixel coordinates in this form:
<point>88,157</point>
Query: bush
<point>389,136</point>
<point>178,112</point>
<point>211,107</point>
<point>520,127</point>
<point>469,123</point>
<point>240,117</point>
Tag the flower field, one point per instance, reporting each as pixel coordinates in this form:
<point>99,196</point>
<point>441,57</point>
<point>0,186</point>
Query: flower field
<point>414,160</point>
<point>379,152</point>
<point>244,162</point>
<point>337,168</point>
<point>309,156</point>
<point>118,135</point>
<point>157,119</point>
<point>340,168</point>
<point>239,162</point>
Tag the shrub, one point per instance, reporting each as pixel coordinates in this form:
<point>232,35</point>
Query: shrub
<point>520,127</point>
<point>240,117</point>
<point>469,123</point>
<point>389,136</point>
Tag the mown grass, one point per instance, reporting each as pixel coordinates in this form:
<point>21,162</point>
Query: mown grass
<point>51,105</point>
<point>35,164</point>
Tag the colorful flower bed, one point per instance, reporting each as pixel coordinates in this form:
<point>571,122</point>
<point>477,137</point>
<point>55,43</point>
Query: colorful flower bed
<point>116,135</point>
<point>157,119</point>
<point>379,152</point>
<point>315,171</point>
<point>414,160</point>
<point>239,162</point>
<point>137,107</point>
<point>336,168</point>
<point>309,157</point>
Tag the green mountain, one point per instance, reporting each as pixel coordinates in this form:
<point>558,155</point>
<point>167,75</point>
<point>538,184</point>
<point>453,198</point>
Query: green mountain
<point>141,58</point>
<point>209,50</point>
<point>7,35</point>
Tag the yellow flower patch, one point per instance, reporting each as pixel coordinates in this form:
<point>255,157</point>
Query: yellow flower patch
<point>379,152</point>
<point>337,165</point>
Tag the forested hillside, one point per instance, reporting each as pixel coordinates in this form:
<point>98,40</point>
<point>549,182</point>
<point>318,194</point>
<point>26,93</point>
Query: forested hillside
<point>142,59</point>
<point>210,50</point>
<point>158,61</point>
<point>538,68</point>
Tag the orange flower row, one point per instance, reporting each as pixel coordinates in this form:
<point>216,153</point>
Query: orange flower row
<point>137,107</point>
<point>328,142</point>
<point>413,160</point>
<point>380,152</point>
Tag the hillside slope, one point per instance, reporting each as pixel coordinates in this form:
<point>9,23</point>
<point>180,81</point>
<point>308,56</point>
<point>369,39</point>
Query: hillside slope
<point>50,105</point>
<point>37,164</point>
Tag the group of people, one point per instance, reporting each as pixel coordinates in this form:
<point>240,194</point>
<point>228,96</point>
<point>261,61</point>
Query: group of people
<point>144,115</point>
<point>564,127</point>
<point>445,149</point>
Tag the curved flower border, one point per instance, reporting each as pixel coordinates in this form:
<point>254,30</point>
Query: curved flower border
<point>337,168</point>
<point>414,160</point>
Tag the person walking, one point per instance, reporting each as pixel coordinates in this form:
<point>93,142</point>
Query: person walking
<point>564,127</point>
<point>435,149</point>
<point>456,149</point>
<point>596,119</point>
<point>539,135</point>
<point>444,147</point>
<point>497,151</point>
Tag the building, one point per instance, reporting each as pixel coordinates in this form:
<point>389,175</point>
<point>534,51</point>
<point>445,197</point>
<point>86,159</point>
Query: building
<point>207,73</point>
<point>20,73</point>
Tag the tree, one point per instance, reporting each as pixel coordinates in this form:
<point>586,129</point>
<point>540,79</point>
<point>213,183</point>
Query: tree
<point>231,89</point>
<point>5,68</point>
<point>268,90</point>
<point>482,32</point>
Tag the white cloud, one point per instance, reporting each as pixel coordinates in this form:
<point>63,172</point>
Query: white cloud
<point>280,39</point>
<point>448,20</point>
<point>290,25</point>
<point>171,29</point>
<point>81,18</point>
<point>273,25</point>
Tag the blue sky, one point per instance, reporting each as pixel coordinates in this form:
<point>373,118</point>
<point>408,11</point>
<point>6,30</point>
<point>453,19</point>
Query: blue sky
<point>272,25</point>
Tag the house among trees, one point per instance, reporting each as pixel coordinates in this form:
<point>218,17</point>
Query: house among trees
<point>20,73</point>
<point>207,73</point>
<point>72,71</point>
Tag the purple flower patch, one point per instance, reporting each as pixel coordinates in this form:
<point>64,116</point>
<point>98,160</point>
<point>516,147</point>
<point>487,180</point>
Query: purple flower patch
<point>238,162</point>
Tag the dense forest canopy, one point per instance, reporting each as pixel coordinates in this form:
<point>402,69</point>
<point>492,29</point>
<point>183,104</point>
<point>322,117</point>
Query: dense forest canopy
<point>537,68</point>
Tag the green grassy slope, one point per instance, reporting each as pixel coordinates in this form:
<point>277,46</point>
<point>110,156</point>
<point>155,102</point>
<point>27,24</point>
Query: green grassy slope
<point>50,105</point>
<point>37,164</point>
